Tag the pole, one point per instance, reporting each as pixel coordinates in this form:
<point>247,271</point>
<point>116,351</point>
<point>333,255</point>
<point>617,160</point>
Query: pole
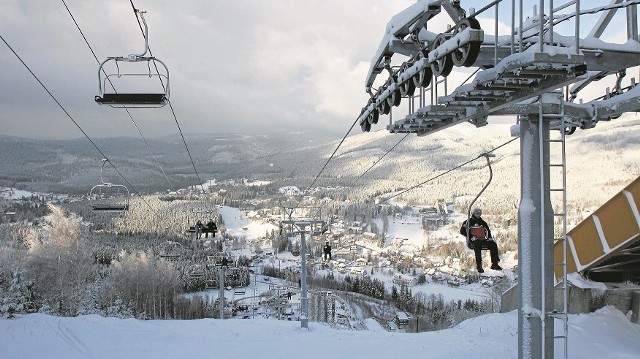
<point>304,319</point>
<point>304,301</point>
<point>534,327</point>
<point>221,291</point>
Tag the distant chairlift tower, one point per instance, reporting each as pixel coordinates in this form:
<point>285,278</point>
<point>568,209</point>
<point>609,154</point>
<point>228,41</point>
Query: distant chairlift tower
<point>533,73</point>
<point>303,227</point>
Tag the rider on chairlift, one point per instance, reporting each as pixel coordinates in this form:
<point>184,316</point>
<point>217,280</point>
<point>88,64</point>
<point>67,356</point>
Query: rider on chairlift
<point>326,251</point>
<point>479,238</point>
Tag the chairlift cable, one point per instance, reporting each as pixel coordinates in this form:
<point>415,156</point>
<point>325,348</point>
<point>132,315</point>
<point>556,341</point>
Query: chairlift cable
<point>448,171</point>
<point>170,105</point>
<point>379,159</point>
<point>326,163</point>
<point>114,89</point>
<point>329,159</point>
<point>72,119</point>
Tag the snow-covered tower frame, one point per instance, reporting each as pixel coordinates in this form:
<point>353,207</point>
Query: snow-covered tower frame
<point>534,73</point>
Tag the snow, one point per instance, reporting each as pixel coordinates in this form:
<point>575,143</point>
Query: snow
<point>580,282</point>
<point>14,194</point>
<point>239,225</point>
<point>604,333</point>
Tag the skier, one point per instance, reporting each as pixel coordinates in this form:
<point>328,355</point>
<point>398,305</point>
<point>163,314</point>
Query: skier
<point>327,251</point>
<point>480,238</point>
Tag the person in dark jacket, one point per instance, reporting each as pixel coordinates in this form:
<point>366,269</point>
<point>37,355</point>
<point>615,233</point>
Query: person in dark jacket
<point>199,227</point>
<point>210,228</point>
<point>479,237</point>
<point>327,251</point>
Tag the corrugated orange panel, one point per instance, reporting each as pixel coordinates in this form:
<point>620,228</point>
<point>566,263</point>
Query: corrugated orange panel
<point>634,188</point>
<point>557,258</point>
<point>586,242</point>
<point>617,220</point>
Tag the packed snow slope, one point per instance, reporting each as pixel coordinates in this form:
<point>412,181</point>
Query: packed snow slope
<point>606,333</point>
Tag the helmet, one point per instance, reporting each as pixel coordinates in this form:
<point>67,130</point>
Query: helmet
<point>477,210</point>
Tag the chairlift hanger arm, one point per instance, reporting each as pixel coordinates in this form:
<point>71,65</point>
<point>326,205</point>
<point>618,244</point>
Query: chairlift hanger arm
<point>486,155</point>
<point>140,13</point>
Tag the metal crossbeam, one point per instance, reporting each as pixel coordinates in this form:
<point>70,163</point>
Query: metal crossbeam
<point>529,75</point>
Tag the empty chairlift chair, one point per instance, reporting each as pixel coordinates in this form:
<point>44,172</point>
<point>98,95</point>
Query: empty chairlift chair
<point>108,196</point>
<point>141,83</point>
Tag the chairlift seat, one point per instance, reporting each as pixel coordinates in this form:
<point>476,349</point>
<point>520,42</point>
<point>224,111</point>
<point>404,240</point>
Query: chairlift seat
<point>132,99</point>
<point>192,229</point>
<point>110,69</point>
<point>110,207</point>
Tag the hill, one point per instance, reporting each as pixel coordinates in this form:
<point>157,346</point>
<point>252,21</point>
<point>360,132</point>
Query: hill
<point>605,333</point>
<point>607,158</point>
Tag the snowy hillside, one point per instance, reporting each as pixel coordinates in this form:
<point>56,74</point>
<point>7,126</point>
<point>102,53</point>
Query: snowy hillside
<point>611,151</point>
<point>607,158</point>
<point>606,333</point>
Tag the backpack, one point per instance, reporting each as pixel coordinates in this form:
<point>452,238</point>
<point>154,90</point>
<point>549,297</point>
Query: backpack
<point>475,232</point>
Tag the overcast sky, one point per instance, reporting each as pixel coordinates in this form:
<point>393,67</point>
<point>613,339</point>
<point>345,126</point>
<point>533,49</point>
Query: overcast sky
<point>235,66</point>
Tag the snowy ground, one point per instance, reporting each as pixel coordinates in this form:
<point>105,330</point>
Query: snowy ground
<point>239,225</point>
<point>606,333</point>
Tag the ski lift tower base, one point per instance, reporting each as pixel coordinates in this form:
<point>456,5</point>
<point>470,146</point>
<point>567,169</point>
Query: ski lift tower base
<point>302,226</point>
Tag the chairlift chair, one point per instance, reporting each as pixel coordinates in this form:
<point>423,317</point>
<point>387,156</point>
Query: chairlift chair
<point>135,99</point>
<point>295,250</point>
<point>478,232</point>
<point>116,201</point>
<point>171,250</point>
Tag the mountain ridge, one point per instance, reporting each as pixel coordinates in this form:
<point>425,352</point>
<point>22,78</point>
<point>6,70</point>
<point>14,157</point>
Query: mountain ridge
<point>612,150</point>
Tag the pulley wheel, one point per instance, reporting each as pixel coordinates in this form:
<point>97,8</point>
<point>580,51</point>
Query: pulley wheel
<point>467,54</point>
<point>443,65</point>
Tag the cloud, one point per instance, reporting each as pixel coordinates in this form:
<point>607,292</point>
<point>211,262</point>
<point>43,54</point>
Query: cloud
<point>241,66</point>
<point>235,66</point>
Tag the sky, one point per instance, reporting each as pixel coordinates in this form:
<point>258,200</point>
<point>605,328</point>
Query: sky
<point>235,66</point>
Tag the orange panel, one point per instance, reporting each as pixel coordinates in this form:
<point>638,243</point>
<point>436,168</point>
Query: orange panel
<point>557,258</point>
<point>634,188</point>
<point>586,241</point>
<point>617,220</point>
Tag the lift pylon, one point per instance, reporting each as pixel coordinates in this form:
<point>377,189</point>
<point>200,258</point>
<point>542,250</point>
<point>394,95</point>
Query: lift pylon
<point>518,74</point>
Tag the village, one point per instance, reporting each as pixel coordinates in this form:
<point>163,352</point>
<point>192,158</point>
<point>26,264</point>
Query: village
<point>414,249</point>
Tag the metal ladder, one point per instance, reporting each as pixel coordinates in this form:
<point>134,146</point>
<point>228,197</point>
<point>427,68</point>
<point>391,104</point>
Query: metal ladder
<point>557,193</point>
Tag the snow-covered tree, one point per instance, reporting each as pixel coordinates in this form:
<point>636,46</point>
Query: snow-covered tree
<point>59,261</point>
<point>18,298</point>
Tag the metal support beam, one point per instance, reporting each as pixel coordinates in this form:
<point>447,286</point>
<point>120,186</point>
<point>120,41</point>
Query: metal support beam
<point>632,22</point>
<point>533,228</point>
<point>304,299</point>
<point>604,20</point>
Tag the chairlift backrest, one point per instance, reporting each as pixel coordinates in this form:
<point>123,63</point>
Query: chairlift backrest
<point>109,71</point>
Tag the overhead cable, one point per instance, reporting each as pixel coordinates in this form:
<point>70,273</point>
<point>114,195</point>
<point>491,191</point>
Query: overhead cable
<point>114,89</point>
<point>333,154</point>
<point>72,119</point>
<point>135,12</point>
<point>378,160</point>
<point>448,171</point>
